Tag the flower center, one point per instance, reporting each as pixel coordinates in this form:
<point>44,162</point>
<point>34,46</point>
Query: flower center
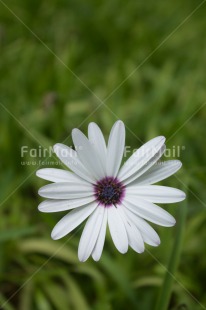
<point>109,191</point>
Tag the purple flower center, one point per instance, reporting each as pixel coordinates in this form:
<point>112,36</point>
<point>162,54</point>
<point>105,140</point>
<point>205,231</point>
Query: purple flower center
<point>109,191</point>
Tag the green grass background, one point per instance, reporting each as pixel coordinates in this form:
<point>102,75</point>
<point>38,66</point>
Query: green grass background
<point>41,100</point>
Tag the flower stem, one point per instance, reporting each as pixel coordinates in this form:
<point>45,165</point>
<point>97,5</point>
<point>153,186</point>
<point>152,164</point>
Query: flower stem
<point>166,289</point>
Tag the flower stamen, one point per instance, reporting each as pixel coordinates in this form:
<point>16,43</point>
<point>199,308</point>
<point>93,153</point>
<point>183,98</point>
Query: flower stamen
<point>109,191</point>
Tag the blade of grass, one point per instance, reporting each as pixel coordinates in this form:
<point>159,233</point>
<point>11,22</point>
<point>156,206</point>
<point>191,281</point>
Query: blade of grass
<point>166,288</point>
<point>7,305</point>
<point>13,234</point>
<point>119,276</point>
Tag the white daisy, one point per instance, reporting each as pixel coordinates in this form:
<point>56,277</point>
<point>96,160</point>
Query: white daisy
<point>98,189</point>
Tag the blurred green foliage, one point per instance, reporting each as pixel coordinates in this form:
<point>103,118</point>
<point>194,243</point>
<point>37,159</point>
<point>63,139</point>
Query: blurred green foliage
<point>59,61</point>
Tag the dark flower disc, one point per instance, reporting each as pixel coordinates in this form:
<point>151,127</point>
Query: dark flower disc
<point>109,191</point>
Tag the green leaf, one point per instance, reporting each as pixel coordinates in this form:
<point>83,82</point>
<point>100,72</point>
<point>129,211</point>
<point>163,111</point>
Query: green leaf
<point>166,289</point>
<point>57,294</point>
<point>116,273</point>
<point>77,297</point>
<point>4,303</point>
<point>52,249</point>
<point>13,234</point>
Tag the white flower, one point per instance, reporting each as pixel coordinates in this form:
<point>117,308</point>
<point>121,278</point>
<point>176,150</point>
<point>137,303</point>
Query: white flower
<point>98,189</point>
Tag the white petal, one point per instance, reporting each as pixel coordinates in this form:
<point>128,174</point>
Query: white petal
<point>70,159</point>
<point>115,149</point>
<point>149,211</point>
<point>72,220</point>
<point>142,156</point>
<point>149,235</point>
<point>97,139</point>
<point>159,172</point>
<point>87,154</point>
<point>117,230</point>
<point>63,205</point>
<point>90,234</point>
<point>63,190</point>
<point>57,175</point>
<point>145,167</point>
<point>156,193</point>
<point>134,236</point>
<point>97,252</point>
